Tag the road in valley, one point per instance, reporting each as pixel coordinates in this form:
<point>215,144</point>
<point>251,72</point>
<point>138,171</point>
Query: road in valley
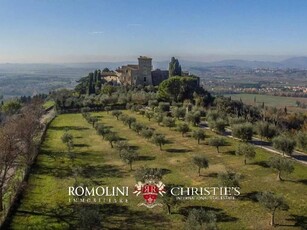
<point>296,155</point>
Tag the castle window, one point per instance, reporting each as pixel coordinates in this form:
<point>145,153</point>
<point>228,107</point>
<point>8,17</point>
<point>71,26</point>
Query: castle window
<point>144,79</point>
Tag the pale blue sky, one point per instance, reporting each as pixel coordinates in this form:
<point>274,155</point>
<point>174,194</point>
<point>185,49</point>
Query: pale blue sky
<point>111,30</point>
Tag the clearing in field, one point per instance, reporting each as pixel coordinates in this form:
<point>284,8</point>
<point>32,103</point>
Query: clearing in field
<point>271,101</point>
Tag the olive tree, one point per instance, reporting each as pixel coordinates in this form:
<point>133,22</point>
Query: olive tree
<point>281,165</point>
<point>229,179</point>
<point>284,144</point>
<point>201,219</point>
<point>159,118</point>
<point>183,128</point>
<point>67,139</point>
<point>128,156</point>
<point>217,142</point>
<point>120,145</point>
<point>301,139</point>
<point>88,217</point>
<point>116,113</point>
<point>149,115</point>
<point>246,150</point>
<point>129,121</point>
<point>158,139</point>
<point>193,117</point>
<point>168,199</point>
<point>218,125</point>
<point>123,118</point>
<point>199,134</point>
<point>178,112</point>
<point>272,202</point>
<point>93,120</point>
<point>266,130</point>
<point>146,133</point>
<point>243,131</point>
<point>200,162</point>
<point>102,130</point>
<point>111,137</point>
<point>169,122</point>
<point>137,127</point>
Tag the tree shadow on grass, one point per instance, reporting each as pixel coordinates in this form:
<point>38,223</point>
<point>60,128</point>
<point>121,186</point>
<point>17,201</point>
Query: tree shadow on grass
<point>100,171</point>
<point>68,128</point>
<point>125,218</point>
<point>169,141</point>
<point>263,164</point>
<point>220,213</point>
<point>97,215</point>
<point>81,145</point>
<point>59,214</point>
<point>260,142</point>
<point>146,158</point>
<point>174,150</point>
<point>87,171</point>
<point>134,147</point>
<point>52,154</point>
<point>299,220</point>
<point>213,175</point>
<point>98,116</point>
<point>56,171</point>
<point>304,181</point>
<point>226,143</point>
<point>252,196</point>
<point>59,156</point>
<point>165,171</point>
<point>83,154</point>
<point>231,152</point>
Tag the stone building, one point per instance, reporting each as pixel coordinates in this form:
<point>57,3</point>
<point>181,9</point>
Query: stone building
<point>140,74</point>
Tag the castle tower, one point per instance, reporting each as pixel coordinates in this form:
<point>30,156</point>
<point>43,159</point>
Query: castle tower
<point>145,67</point>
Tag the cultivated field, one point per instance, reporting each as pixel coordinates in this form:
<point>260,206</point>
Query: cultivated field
<point>45,202</point>
<point>273,101</point>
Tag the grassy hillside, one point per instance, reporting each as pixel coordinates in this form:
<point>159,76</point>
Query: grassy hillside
<point>45,202</point>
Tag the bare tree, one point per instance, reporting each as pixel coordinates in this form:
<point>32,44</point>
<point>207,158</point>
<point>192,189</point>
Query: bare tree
<point>9,152</point>
<point>27,127</point>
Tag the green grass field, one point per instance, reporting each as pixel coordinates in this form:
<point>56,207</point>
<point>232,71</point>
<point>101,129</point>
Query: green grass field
<point>273,101</point>
<point>48,104</point>
<point>45,202</point>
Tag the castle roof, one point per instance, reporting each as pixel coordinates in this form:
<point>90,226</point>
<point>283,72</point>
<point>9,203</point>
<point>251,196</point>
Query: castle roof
<point>145,57</point>
<point>133,66</point>
<point>111,73</point>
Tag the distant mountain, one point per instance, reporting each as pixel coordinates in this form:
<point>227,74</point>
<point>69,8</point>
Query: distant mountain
<point>88,66</point>
<point>248,64</point>
<point>296,62</point>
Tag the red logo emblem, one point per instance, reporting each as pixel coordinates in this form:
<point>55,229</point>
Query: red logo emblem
<point>150,191</point>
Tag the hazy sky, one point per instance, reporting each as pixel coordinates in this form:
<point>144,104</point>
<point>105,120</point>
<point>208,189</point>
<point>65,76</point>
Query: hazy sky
<point>111,30</point>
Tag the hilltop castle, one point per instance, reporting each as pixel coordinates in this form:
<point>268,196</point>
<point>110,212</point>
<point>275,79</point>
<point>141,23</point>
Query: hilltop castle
<point>140,74</point>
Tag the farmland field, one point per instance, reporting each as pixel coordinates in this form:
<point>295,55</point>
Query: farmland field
<point>273,101</point>
<point>45,201</point>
